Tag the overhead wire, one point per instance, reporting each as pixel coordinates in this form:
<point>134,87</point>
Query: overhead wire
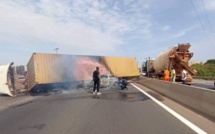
<point>198,16</point>
<point>207,16</point>
<point>204,29</point>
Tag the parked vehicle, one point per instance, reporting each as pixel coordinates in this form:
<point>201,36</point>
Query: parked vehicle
<point>176,57</point>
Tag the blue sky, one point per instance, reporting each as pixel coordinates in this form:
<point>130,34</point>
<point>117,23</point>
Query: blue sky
<point>134,28</point>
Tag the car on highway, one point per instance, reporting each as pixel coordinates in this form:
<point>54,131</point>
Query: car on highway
<point>107,80</point>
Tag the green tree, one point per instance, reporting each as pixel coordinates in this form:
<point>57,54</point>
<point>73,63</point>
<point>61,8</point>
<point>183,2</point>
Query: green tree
<point>208,69</point>
<point>210,61</point>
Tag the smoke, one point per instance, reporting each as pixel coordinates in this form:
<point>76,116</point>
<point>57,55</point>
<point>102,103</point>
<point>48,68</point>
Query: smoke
<point>63,72</point>
<point>77,68</point>
<point>85,66</point>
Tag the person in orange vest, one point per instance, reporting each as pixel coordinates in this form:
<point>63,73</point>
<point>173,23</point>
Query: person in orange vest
<point>166,75</point>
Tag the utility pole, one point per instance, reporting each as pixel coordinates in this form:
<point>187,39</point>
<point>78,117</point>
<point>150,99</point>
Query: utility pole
<point>147,64</point>
<point>56,50</point>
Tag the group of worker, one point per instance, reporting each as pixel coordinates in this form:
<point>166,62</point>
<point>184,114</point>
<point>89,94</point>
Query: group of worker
<point>172,75</point>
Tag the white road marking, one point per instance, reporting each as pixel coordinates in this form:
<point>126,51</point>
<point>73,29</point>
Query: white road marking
<point>178,116</point>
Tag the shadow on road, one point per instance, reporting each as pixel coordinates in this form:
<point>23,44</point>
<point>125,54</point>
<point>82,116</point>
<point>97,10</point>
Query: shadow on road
<point>122,96</point>
<point>38,127</point>
<point>114,95</point>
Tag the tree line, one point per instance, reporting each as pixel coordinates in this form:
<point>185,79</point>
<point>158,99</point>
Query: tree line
<point>206,69</point>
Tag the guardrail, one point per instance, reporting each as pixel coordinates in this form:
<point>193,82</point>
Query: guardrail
<point>200,100</point>
<point>204,77</point>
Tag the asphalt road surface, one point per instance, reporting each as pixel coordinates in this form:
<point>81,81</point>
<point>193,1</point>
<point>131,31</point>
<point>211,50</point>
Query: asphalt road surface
<point>208,84</point>
<point>113,112</point>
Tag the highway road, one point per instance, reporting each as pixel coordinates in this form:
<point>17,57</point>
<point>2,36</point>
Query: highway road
<point>208,84</point>
<point>114,112</point>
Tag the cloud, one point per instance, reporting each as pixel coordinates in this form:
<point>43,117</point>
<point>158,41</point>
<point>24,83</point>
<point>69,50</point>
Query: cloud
<point>185,31</point>
<point>181,33</point>
<point>26,23</point>
<point>166,27</point>
<point>82,26</point>
<point>209,5</point>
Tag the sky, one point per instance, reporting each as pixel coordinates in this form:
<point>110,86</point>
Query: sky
<point>131,28</point>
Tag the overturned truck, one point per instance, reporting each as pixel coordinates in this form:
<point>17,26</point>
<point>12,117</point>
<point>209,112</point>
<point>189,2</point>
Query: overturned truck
<point>7,80</point>
<point>49,71</point>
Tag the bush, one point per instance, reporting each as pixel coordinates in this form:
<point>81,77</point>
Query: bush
<point>208,69</point>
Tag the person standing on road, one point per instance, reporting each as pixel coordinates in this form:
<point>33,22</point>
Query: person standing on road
<point>166,75</point>
<point>184,76</point>
<point>96,79</point>
<point>173,74</point>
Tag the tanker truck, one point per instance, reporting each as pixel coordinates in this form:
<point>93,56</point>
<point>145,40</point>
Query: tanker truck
<point>7,84</point>
<point>176,57</point>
